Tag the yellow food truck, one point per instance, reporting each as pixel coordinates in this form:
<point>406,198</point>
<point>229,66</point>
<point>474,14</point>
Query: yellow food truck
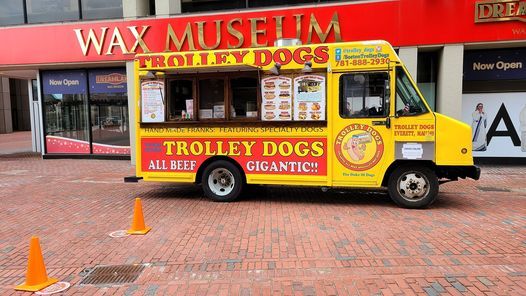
<point>326,115</point>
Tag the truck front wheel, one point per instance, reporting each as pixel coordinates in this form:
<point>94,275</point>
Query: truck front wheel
<point>222,181</point>
<point>413,187</point>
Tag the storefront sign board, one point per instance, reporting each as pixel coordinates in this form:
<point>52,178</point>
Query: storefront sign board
<point>64,82</point>
<point>495,64</point>
<point>108,81</point>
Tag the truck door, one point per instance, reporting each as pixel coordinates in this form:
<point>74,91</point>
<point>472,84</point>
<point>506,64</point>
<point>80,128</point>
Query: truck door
<point>362,140</point>
<point>413,123</point>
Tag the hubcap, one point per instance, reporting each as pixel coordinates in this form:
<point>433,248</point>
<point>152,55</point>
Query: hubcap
<point>221,181</point>
<point>413,186</point>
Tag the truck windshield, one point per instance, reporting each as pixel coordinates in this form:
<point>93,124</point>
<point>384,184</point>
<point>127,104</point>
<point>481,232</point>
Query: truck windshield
<point>408,102</point>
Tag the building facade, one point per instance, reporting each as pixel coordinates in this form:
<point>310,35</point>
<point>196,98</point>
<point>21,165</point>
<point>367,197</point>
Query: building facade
<point>66,67</point>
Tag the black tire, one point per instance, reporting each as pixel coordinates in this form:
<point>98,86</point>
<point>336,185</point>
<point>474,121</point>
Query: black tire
<point>222,181</point>
<point>413,187</point>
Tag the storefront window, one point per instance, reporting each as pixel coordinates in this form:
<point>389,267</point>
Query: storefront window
<point>45,11</point>
<point>199,5</point>
<point>101,9</point>
<point>263,3</point>
<point>427,73</point>
<point>78,123</point>
<point>66,112</point>
<point>493,101</point>
<point>11,12</point>
<point>109,111</point>
<point>196,5</point>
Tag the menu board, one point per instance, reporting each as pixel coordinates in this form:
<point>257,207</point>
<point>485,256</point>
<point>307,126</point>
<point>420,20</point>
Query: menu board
<point>277,98</point>
<point>309,97</point>
<point>152,101</point>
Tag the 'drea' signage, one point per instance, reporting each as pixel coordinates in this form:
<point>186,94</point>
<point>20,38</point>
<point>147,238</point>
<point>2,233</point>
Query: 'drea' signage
<point>495,64</point>
<point>64,82</point>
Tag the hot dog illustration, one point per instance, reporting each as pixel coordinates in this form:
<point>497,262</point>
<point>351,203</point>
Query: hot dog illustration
<point>356,146</point>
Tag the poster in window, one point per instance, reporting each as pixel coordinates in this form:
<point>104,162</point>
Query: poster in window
<point>277,98</point>
<point>152,101</point>
<point>309,97</point>
<point>498,123</point>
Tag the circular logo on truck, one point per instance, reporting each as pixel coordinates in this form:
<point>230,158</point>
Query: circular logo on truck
<point>359,147</point>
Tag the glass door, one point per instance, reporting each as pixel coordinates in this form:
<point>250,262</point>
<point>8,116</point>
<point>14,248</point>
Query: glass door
<point>108,102</point>
<point>66,112</point>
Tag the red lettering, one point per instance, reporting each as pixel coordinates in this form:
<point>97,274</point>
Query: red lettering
<point>142,61</point>
<point>262,57</point>
<point>239,55</point>
<point>172,58</point>
<point>221,57</point>
<point>158,61</point>
<point>204,58</point>
<point>189,59</point>
<point>321,54</point>
<point>299,58</point>
<point>282,56</point>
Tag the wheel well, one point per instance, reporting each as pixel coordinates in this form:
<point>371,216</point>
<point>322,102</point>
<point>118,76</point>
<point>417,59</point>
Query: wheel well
<point>203,166</point>
<point>400,162</point>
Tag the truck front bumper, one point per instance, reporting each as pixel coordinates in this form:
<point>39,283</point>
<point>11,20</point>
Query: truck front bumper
<point>455,172</point>
<point>473,172</point>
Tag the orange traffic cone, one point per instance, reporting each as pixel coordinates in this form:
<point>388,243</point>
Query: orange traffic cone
<point>36,276</point>
<point>138,226</point>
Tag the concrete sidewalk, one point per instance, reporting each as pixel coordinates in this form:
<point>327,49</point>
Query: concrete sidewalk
<point>275,241</point>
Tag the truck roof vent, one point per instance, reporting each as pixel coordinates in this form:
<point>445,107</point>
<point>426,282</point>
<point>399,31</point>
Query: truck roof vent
<point>287,42</point>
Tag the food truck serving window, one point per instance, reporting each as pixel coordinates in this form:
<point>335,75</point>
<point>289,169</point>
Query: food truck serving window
<point>222,96</point>
<point>235,96</point>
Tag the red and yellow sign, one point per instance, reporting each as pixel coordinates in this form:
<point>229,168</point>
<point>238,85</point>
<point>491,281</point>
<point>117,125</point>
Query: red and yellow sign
<point>256,57</point>
<point>402,23</point>
<point>296,156</point>
<point>359,147</point>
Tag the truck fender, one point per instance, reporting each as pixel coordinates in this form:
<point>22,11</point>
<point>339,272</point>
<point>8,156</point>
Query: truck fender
<point>210,160</point>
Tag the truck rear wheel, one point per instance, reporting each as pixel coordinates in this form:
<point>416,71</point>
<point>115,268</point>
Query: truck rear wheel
<point>222,181</point>
<point>413,187</point>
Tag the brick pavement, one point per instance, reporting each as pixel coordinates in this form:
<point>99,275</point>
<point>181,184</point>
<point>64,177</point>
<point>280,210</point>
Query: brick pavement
<point>16,142</point>
<point>276,241</point>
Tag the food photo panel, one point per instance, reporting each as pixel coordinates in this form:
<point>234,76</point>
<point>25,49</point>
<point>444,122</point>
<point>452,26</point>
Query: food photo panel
<point>277,98</point>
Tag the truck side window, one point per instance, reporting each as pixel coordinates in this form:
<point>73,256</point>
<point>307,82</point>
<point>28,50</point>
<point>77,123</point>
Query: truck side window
<point>363,95</point>
<point>408,102</point>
